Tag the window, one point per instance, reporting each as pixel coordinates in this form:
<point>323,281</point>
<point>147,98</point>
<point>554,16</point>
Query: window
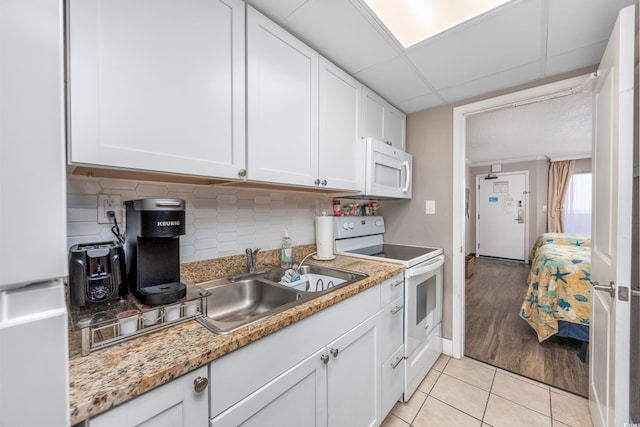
<point>577,204</point>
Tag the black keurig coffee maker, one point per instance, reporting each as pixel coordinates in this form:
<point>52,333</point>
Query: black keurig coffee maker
<point>152,249</point>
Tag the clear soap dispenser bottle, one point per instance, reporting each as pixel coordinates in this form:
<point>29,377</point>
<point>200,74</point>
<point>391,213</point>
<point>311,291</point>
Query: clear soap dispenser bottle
<point>286,250</point>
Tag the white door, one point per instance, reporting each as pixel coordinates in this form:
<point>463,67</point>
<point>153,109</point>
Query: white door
<point>501,223</point>
<point>611,227</point>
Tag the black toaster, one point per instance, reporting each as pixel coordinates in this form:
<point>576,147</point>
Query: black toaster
<point>97,273</point>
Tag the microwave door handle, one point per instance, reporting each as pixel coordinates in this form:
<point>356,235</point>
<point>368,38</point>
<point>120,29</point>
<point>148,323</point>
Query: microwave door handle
<point>408,172</point>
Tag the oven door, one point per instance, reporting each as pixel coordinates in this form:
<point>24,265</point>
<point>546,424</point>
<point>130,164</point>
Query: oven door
<point>423,316</point>
<point>388,171</point>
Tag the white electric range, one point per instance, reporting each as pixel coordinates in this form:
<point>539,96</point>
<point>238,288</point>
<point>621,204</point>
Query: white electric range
<point>363,237</point>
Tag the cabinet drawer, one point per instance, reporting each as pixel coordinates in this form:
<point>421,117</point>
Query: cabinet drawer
<point>392,289</point>
<point>392,380</point>
<point>391,331</point>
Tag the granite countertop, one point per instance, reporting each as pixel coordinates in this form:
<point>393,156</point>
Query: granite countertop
<point>113,375</point>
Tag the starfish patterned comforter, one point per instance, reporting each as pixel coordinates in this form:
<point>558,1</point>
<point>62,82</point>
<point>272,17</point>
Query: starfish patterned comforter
<point>565,239</point>
<point>559,290</point>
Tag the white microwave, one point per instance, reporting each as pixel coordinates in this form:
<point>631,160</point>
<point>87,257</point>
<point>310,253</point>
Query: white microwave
<point>387,171</point>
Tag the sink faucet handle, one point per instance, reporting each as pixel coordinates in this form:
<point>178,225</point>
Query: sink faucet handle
<point>255,251</point>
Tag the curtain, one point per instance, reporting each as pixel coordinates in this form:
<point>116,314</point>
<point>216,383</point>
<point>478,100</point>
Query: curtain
<point>559,177</point>
<point>577,204</point>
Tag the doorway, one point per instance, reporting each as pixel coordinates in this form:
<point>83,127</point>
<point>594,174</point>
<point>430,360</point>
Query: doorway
<point>502,215</point>
<point>459,169</point>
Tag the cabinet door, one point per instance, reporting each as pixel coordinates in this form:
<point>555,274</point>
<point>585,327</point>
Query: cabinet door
<point>354,377</point>
<point>282,110</point>
<point>296,398</point>
<point>395,122</point>
<point>341,150</point>
<point>175,404</point>
<point>373,110</point>
<point>158,85</point>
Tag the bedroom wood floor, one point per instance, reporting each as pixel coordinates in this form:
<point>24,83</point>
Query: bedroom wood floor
<point>495,333</point>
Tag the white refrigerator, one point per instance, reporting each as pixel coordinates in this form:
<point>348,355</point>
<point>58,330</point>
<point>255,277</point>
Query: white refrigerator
<point>34,388</point>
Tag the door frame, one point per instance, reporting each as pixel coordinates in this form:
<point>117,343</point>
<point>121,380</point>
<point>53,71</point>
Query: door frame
<point>526,208</point>
<point>459,164</point>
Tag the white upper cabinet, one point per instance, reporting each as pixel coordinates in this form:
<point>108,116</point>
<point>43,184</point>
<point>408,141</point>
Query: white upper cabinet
<point>158,86</point>
<point>341,150</point>
<point>382,121</point>
<point>282,110</point>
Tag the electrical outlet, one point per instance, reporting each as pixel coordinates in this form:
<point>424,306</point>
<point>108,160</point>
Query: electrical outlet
<point>108,203</point>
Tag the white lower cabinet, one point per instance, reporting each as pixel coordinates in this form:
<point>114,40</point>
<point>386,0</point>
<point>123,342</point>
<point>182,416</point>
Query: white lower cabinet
<point>338,385</point>
<point>175,404</point>
<point>392,382</point>
<point>296,398</point>
<point>324,370</point>
<point>354,377</point>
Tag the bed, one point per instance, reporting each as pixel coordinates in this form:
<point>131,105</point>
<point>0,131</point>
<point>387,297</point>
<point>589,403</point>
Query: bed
<point>558,298</point>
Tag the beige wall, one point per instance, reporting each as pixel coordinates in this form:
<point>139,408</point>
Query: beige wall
<point>430,140</point>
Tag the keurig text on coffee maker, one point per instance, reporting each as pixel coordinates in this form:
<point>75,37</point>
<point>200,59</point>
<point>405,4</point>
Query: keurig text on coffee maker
<point>152,249</point>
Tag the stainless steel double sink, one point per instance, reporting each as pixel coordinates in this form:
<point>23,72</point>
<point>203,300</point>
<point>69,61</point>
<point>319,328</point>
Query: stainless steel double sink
<point>237,301</point>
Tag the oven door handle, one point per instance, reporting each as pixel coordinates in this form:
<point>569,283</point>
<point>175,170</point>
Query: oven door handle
<point>428,267</point>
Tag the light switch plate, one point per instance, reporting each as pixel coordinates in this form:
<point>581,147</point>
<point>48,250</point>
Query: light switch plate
<point>430,207</point>
<point>108,203</point>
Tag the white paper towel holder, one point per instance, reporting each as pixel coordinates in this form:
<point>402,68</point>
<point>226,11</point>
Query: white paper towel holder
<point>316,257</point>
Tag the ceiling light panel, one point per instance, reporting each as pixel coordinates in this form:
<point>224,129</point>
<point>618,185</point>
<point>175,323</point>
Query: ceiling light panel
<point>411,21</point>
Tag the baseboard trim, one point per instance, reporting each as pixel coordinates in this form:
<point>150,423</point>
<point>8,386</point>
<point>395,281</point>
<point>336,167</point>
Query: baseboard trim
<point>447,347</point>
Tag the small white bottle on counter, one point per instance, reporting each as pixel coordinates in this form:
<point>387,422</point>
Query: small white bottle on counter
<point>286,251</point>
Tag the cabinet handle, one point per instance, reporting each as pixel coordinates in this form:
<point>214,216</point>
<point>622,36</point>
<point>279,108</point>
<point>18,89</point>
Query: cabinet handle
<point>200,384</point>
<point>396,362</point>
<point>242,172</point>
<point>396,309</point>
<point>324,358</point>
<point>334,351</point>
<point>396,284</point>
<point>324,182</point>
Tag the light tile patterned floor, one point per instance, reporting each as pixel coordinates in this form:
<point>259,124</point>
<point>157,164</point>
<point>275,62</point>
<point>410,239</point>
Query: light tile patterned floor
<point>466,392</point>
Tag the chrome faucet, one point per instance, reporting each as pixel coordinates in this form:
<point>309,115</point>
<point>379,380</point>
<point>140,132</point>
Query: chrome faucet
<point>251,259</point>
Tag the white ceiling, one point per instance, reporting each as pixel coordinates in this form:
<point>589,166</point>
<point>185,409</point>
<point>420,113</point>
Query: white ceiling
<point>556,127</point>
<point>517,43</point>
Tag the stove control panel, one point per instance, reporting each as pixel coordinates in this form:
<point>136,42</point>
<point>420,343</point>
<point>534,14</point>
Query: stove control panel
<point>345,227</point>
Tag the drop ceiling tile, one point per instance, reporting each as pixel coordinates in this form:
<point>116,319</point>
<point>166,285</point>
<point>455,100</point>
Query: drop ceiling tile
<point>574,59</point>
<point>500,40</point>
<point>276,10</point>
<point>339,30</point>
<point>396,79</point>
<point>420,103</point>
<point>492,83</point>
<point>577,23</point>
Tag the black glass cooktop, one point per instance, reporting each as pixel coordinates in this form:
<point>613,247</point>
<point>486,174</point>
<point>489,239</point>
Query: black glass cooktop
<point>398,252</point>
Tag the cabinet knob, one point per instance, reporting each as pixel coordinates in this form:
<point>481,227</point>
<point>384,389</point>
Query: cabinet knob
<point>242,172</point>
<point>324,182</point>
<point>334,351</point>
<point>324,358</point>
<point>317,181</point>
<point>200,384</point>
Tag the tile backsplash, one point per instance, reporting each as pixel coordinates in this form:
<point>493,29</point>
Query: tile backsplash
<point>221,220</point>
